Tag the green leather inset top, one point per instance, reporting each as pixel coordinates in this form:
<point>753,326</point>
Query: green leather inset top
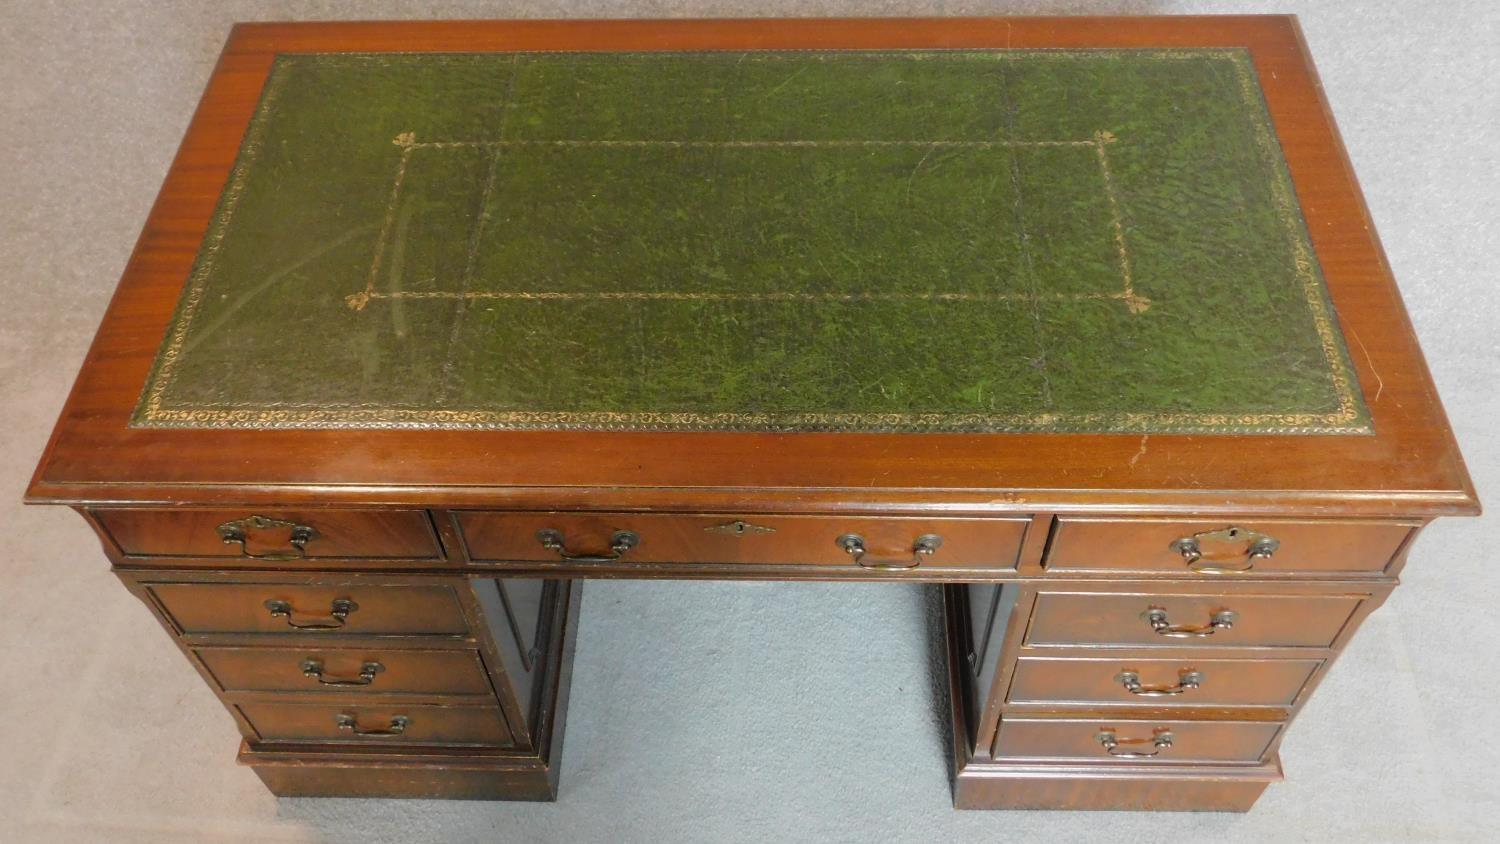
<point>997,240</point>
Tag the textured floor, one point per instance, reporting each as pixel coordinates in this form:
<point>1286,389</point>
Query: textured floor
<point>715,712</point>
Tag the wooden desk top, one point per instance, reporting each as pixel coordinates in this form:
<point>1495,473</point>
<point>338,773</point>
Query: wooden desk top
<point>978,264</point>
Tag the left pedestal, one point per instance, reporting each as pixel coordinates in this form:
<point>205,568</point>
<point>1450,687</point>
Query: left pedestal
<point>381,685</point>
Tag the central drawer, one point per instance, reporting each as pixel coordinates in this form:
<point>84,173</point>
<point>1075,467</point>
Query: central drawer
<point>1133,740</point>
<point>346,670</point>
<point>287,722</point>
<point>1168,620</point>
<point>880,544</point>
<point>323,610</point>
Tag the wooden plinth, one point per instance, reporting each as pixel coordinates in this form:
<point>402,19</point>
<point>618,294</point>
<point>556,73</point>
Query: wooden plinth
<point>991,785</point>
<point>297,774</point>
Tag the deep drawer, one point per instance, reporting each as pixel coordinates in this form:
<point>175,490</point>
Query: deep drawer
<point>350,609</point>
<point>1128,681</point>
<point>1087,544</point>
<point>882,543</point>
<point>386,725</point>
<point>272,536</point>
<point>346,671</point>
<point>1137,741</point>
<point>1235,620</point>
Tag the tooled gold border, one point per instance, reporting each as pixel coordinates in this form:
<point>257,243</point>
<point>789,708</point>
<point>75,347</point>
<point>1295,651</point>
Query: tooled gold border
<point>408,143</point>
<point>1346,419</point>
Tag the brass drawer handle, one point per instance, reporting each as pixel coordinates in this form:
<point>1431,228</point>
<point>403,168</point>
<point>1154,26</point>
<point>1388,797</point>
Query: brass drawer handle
<point>1186,679</point>
<point>1250,545</point>
<point>925,546</point>
<point>620,544</point>
<point>338,613</point>
<point>1157,618</point>
<point>1160,739</point>
<point>237,532</point>
<point>348,723</point>
<point>314,668</point>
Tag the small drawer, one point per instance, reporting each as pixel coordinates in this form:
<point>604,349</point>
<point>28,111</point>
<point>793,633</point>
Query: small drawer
<point>383,725</point>
<point>1160,682</point>
<point>353,609</point>
<point>1160,546</point>
<point>872,544</point>
<point>346,671</point>
<point>258,536</point>
<point>1135,741</point>
<point>1236,620</point>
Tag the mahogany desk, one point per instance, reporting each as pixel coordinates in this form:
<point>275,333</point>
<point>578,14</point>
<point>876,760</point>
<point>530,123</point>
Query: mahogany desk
<point>1083,319</point>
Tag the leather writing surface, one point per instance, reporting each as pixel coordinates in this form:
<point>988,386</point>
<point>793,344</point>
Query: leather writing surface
<point>996,240</point>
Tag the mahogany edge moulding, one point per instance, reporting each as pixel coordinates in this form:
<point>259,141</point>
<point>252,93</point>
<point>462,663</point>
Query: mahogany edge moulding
<point>1410,465</point>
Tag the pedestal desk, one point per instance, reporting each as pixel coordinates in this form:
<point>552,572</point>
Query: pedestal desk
<point>1082,319</point>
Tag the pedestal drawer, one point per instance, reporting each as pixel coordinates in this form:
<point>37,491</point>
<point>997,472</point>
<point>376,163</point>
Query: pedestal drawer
<point>473,725</point>
<point>352,609</point>
<point>893,543</point>
<point>1160,682</point>
<point>262,536</point>
<point>346,671</point>
<point>1089,544</point>
<point>1229,620</point>
<point>1134,741</point>
<point>1137,741</point>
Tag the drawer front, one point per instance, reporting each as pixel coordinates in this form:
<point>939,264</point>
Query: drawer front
<point>1135,741</point>
<point>312,610</point>
<point>1310,621</point>
<point>346,671</point>
<point>1087,544</point>
<point>382,725</point>
<point>1160,682</point>
<point>272,536</point>
<point>883,543</point>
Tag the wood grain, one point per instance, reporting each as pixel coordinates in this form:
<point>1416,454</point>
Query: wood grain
<point>1091,544</point>
<point>772,540</point>
<point>425,725</point>
<point>402,671</point>
<point>1191,741</point>
<point>379,610</point>
<point>192,532</point>
<point>1224,682</point>
<point>1262,620</point>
